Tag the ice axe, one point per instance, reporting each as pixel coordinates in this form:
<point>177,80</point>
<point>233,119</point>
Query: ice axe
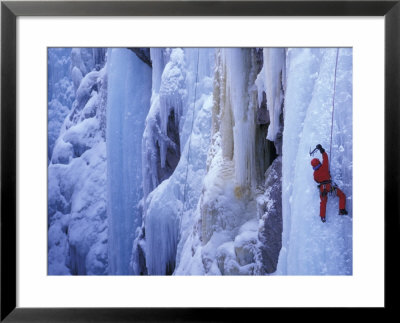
<point>312,152</point>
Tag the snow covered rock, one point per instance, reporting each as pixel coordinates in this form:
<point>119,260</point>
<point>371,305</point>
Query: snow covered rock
<point>77,211</point>
<point>61,93</point>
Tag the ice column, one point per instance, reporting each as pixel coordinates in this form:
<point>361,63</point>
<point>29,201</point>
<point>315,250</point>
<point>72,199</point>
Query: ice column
<point>271,80</point>
<point>129,92</point>
<point>238,67</point>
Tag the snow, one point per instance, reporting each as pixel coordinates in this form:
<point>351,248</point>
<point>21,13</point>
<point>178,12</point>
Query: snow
<point>76,76</point>
<point>77,195</point>
<point>85,59</point>
<point>60,93</point>
<point>85,88</point>
<point>77,214</point>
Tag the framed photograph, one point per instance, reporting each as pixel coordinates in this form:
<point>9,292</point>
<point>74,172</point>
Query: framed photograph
<point>197,160</point>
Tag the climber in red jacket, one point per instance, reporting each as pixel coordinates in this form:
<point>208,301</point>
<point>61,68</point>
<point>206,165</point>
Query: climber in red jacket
<point>323,177</point>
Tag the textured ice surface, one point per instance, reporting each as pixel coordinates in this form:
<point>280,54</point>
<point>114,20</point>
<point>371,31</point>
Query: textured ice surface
<point>128,101</point>
<point>77,239</point>
<point>200,164</point>
<point>311,247</point>
<point>169,207</point>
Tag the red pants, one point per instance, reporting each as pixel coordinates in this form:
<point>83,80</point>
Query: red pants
<point>324,190</point>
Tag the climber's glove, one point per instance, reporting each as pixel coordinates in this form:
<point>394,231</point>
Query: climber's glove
<point>319,147</point>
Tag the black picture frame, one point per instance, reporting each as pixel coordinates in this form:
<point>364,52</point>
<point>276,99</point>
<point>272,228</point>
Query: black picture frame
<point>10,10</point>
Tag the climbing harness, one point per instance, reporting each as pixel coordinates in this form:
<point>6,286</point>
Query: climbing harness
<point>190,138</point>
<point>327,187</point>
<point>333,104</point>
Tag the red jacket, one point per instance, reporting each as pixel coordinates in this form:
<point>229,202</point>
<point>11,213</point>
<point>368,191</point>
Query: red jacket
<point>322,173</point>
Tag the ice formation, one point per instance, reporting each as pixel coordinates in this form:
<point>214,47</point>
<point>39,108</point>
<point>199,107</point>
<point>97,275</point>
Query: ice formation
<point>77,183</point>
<point>195,161</point>
<point>311,247</point>
<point>128,93</point>
<point>225,236</point>
<point>60,93</point>
<point>187,96</point>
<point>271,81</point>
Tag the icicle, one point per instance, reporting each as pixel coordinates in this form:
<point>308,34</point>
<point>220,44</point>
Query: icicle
<point>274,66</point>
<point>166,226</point>
<point>238,67</point>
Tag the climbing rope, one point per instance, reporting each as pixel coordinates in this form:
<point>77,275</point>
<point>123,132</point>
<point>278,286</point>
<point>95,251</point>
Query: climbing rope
<point>190,138</point>
<point>333,104</point>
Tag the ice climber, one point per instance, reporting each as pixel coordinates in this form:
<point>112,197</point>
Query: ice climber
<point>323,177</point>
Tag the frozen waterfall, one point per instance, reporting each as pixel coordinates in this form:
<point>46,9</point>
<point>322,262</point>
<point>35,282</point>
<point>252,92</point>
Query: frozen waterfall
<point>182,89</point>
<point>129,92</point>
<point>311,247</point>
<point>195,161</point>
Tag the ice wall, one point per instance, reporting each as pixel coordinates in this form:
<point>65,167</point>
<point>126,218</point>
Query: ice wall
<point>182,87</point>
<point>238,64</point>
<point>223,238</point>
<point>236,107</point>
<point>128,101</point>
<point>77,217</point>
<point>245,226</point>
<point>311,247</point>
